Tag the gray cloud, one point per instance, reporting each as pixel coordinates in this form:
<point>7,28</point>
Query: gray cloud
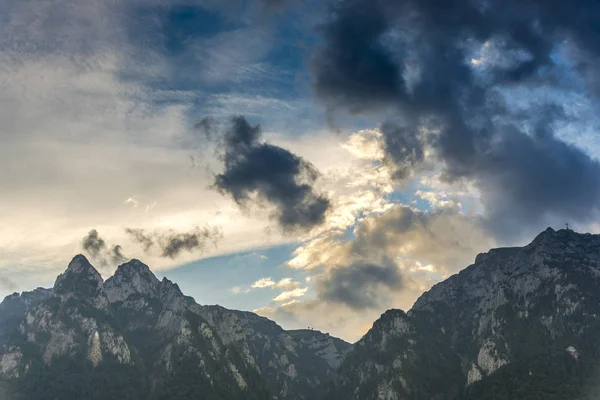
<point>171,244</point>
<point>404,148</point>
<point>414,60</point>
<point>96,247</point>
<point>273,174</point>
<point>93,244</point>
<point>445,238</point>
<point>398,246</point>
<point>117,256</point>
<point>208,126</point>
<point>141,237</point>
<point>360,285</point>
<point>393,258</point>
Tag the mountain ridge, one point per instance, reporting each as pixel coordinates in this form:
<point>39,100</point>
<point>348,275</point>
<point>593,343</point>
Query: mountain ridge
<point>495,318</point>
<point>158,336</point>
<point>520,322</point>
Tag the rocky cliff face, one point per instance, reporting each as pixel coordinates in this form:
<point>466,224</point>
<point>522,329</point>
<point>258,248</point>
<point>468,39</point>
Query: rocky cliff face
<point>498,329</point>
<point>163,343</point>
<point>520,323</point>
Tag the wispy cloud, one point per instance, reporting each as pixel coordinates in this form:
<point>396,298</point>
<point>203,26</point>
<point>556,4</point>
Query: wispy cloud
<point>171,243</point>
<point>284,283</point>
<point>290,294</point>
<point>96,247</point>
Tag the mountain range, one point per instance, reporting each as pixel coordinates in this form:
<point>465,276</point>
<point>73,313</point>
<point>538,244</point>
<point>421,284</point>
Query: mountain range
<point>520,323</point>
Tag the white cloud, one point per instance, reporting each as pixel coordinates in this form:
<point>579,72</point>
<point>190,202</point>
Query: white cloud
<point>284,283</point>
<point>358,184</point>
<point>132,201</point>
<point>291,294</point>
<point>239,290</point>
<point>438,199</point>
<point>287,284</point>
<point>263,283</point>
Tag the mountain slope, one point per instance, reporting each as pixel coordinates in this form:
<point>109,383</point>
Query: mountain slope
<point>135,337</point>
<point>521,323</point>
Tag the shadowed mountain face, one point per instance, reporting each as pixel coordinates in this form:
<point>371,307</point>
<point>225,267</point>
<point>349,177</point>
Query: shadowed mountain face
<point>520,323</point>
<point>135,337</point>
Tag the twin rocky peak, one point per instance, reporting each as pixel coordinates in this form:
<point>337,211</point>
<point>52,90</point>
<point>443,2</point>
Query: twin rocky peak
<point>131,278</point>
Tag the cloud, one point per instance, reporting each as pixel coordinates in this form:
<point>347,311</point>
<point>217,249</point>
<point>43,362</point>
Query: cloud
<point>403,147</point>
<point>438,199</point>
<point>132,201</point>
<point>360,285</point>
<point>7,284</point>
<point>290,295</point>
<point>362,272</point>
<point>263,283</point>
<point>171,243</point>
<point>337,318</point>
<point>239,290</point>
<point>117,255</point>
<point>93,244</point>
<point>411,64</point>
<point>284,283</point>
<point>96,247</point>
<point>393,256</point>
<point>256,171</point>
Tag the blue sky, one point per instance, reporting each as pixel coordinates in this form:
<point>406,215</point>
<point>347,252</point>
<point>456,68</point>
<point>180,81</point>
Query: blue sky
<point>100,104</point>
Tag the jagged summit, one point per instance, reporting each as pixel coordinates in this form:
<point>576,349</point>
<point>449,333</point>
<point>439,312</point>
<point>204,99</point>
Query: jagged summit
<point>80,277</point>
<point>134,270</point>
<point>134,266</point>
<point>133,277</point>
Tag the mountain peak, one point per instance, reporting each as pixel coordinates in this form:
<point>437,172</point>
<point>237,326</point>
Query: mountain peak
<point>80,275</point>
<point>133,277</point>
<point>545,236</point>
<point>562,242</point>
<point>135,267</point>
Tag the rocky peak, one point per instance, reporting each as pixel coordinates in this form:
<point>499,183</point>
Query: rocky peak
<point>171,295</point>
<point>80,278</point>
<point>168,288</point>
<point>563,242</point>
<point>392,323</point>
<point>135,268</point>
<point>133,277</point>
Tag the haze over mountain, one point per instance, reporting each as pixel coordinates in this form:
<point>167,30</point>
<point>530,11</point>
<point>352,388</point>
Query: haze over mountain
<point>520,322</point>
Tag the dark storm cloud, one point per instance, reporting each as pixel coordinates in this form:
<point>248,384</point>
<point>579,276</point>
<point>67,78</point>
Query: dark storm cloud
<point>360,285</point>
<point>413,58</point>
<point>404,148</point>
<point>275,175</point>
<point>171,244</point>
<point>96,247</point>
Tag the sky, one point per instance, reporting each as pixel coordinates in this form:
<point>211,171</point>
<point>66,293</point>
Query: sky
<point>316,162</point>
